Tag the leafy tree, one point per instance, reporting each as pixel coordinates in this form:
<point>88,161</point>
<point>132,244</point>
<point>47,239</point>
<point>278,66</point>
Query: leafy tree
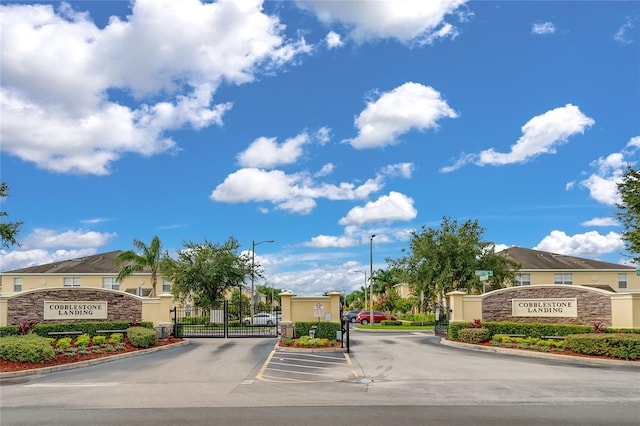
<point>148,259</point>
<point>355,299</point>
<point>445,259</point>
<point>384,282</point>
<point>271,293</point>
<point>237,303</point>
<point>8,230</point>
<point>203,272</point>
<point>629,211</point>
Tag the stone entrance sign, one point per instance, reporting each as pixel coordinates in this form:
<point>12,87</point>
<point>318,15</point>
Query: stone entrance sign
<point>64,310</point>
<point>544,307</point>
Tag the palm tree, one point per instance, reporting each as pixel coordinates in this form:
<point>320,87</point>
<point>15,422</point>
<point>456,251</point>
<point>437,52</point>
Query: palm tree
<point>148,259</point>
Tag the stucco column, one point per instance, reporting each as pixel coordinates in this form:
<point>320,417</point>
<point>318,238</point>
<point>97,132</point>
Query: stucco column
<point>334,301</point>
<point>456,305</point>
<point>4,312</point>
<point>285,304</point>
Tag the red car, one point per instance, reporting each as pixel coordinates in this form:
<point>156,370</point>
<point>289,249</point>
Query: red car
<point>364,317</point>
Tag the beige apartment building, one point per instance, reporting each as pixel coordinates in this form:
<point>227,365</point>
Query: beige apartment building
<point>96,271</point>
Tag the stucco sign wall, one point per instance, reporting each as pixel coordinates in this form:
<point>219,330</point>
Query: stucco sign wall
<point>564,308</point>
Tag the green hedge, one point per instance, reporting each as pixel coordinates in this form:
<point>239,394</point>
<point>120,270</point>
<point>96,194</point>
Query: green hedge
<point>27,348</point>
<point>419,319</point>
<point>528,329</point>
<point>89,328</point>
<point>324,330</point>
<point>625,346</point>
<point>473,335</point>
<point>142,337</point>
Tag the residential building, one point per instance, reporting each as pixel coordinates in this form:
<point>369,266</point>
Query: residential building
<point>541,267</point>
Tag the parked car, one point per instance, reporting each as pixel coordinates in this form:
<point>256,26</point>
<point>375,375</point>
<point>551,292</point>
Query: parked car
<point>364,317</point>
<point>350,315</point>
<point>261,319</point>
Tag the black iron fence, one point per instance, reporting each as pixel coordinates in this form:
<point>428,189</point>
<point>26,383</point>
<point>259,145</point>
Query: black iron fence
<point>223,321</point>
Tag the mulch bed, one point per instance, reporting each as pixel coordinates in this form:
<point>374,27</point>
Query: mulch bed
<point>61,359</point>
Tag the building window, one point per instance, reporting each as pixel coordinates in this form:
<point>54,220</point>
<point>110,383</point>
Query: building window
<point>72,282</point>
<point>110,283</point>
<point>622,280</point>
<point>566,279</point>
<point>166,286</point>
<point>17,285</point>
<point>522,279</point>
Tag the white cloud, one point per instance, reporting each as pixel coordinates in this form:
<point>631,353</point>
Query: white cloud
<point>589,245</point>
<point>601,221</point>
<point>47,238</point>
<point>541,135</point>
<point>407,107</point>
<point>387,208</point>
<point>543,28</point>
<point>295,192</point>
<point>408,21</point>
<point>24,258</point>
<point>333,40</point>
<point>324,241</point>
<point>327,169</point>
<point>404,170</point>
<point>603,183</point>
<point>625,33</point>
<point>46,246</point>
<point>59,68</point>
<point>266,152</point>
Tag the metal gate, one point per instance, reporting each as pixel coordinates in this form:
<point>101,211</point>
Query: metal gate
<point>441,327</point>
<point>223,321</point>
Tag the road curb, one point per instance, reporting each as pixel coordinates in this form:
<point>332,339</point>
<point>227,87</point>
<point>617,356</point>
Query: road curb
<point>54,368</point>
<point>279,348</point>
<point>542,355</point>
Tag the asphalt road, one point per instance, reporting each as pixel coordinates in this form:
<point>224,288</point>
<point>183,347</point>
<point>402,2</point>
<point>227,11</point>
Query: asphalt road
<point>392,378</point>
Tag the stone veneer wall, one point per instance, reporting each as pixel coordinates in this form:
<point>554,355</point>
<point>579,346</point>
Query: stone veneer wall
<point>593,306</point>
<point>30,306</point>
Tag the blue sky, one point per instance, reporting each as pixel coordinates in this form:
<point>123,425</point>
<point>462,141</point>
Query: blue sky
<point>316,125</point>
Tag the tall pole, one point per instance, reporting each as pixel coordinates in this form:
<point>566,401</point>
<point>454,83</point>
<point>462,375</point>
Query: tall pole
<point>253,274</point>
<point>371,318</point>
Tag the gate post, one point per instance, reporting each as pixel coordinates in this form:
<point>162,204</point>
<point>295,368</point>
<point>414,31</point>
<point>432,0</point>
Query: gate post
<point>226,317</point>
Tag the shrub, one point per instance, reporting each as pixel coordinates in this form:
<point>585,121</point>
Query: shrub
<point>29,348</point>
<point>99,340</point>
<point>116,338</point>
<point>83,340</point>
<point>142,337</point>
<point>391,322</point>
<point>63,343</point>
<point>473,335</point>
<point>625,346</point>
<point>26,326</point>
<point>326,330</point>
<point>476,323</point>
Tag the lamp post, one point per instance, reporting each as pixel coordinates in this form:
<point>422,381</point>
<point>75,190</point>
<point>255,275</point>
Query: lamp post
<point>365,287</point>
<point>371,318</point>
<point>253,274</point>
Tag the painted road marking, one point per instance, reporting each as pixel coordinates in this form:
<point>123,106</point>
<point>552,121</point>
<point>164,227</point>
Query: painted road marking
<point>299,367</point>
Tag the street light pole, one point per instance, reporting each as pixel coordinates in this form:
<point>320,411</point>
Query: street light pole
<point>371,318</point>
<point>253,274</point>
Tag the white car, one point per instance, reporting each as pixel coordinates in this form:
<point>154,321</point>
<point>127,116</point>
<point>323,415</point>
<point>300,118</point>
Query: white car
<point>261,319</point>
